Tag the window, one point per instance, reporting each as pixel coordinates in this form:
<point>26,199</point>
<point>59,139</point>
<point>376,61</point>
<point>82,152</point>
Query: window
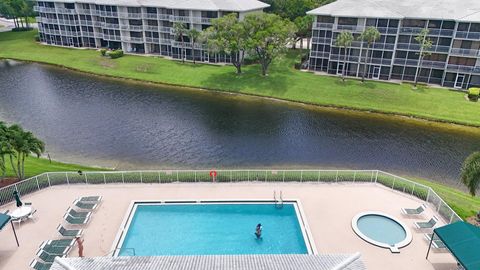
<point>448,25</point>
<point>382,23</point>
<point>436,73</point>
<point>347,21</point>
<point>69,5</point>
<point>462,61</point>
<point>151,10</point>
<point>371,22</point>
<point>401,54</point>
<point>390,40</point>
<point>466,44</point>
<point>414,23</point>
<point>444,41</point>
<point>393,23</point>
<point>475,27</point>
<point>387,55</point>
<point>404,39</point>
<point>325,19</point>
<point>434,24</point>
<point>463,26</point>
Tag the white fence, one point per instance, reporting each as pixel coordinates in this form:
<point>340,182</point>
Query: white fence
<point>391,181</point>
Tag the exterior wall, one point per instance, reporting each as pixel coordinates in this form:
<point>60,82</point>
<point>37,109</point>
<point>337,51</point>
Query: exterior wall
<point>455,59</point>
<point>142,30</point>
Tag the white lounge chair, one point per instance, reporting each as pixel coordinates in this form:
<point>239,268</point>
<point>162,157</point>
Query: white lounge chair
<point>68,233</point>
<point>84,206</point>
<point>426,224</point>
<point>414,211</point>
<point>436,243</point>
<point>90,199</point>
<point>76,220</point>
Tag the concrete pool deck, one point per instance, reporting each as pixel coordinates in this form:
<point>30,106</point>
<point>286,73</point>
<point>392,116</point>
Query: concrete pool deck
<point>328,208</point>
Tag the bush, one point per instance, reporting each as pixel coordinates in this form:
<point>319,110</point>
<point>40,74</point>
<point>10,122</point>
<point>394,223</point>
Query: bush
<point>103,52</point>
<point>115,54</point>
<point>37,38</point>
<point>473,93</point>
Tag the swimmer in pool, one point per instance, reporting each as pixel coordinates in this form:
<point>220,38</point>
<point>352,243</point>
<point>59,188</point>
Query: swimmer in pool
<point>258,231</point>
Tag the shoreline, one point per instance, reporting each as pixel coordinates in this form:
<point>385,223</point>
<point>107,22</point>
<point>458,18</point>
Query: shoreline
<point>410,117</point>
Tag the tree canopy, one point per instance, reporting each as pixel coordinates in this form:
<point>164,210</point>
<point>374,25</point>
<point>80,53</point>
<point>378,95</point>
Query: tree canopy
<point>292,9</point>
<point>470,174</point>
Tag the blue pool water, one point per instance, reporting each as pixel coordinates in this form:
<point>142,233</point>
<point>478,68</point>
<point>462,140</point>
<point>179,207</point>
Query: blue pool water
<point>204,229</point>
<point>381,229</point>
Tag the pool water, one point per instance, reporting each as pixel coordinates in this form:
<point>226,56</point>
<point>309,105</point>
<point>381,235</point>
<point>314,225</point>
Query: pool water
<point>381,229</point>
<point>206,229</point>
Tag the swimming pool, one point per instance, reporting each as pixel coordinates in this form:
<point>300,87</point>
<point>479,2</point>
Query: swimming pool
<point>213,228</point>
<point>382,230</point>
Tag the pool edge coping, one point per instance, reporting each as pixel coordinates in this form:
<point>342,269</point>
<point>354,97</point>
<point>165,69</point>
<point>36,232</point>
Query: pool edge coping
<point>127,219</point>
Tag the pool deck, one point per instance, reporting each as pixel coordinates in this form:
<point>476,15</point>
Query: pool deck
<point>328,208</point>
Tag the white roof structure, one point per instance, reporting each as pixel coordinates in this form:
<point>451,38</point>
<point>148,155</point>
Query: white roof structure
<point>207,5</point>
<point>458,10</point>
<point>209,262</point>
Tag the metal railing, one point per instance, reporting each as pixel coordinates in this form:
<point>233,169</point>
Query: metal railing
<point>394,182</point>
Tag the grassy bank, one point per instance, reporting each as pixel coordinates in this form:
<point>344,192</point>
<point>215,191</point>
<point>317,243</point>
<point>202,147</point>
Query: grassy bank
<point>284,82</point>
<point>35,166</point>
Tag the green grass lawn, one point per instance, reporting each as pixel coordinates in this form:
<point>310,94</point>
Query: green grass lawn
<point>284,82</point>
<point>464,204</point>
<point>35,166</point>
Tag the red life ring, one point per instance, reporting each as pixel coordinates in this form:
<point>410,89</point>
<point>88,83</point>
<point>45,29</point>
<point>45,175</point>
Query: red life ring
<point>213,173</point>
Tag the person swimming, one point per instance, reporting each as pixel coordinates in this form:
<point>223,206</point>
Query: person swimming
<point>258,231</point>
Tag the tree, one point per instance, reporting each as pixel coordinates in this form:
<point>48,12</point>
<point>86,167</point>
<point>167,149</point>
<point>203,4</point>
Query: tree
<point>179,30</point>
<point>193,35</point>
<point>292,9</point>
<point>18,10</point>
<point>344,40</point>
<point>22,144</point>
<point>470,174</point>
<point>4,149</point>
<point>304,29</point>
<point>228,35</point>
<point>268,36</point>
<point>425,45</point>
<point>370,35</point>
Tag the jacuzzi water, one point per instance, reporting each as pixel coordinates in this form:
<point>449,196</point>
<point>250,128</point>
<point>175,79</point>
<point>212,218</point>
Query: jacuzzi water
<point>213,229</point>
<point>381,229</point>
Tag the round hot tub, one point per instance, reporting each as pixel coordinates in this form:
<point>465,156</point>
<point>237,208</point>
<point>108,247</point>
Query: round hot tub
<point>382,230</point>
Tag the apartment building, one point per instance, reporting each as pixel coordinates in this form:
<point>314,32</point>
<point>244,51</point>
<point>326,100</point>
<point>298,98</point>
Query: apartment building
<point>135,26</point>
<point>454,29</point>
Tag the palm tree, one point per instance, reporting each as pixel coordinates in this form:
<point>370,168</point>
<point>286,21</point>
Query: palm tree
<point>22,144</point>
<point>471,172</point>
<point>4,149</point>
<point>344,40</point>
<point>193,35</point>
<point>370,35</point>
<point>179,29</point>
<point>425,45</point>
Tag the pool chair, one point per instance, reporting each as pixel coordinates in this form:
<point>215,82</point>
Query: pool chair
<point>76,220</point>
<point>48,258</point>
<point>67,233</point>
<point>90,199</point>
<point>52,248</point>
<point>59,243</point>
<point>77,214</point>
<point>414,211</point>
<point>436,243</point>
<point>39,265</point>
<point>426,224</point>
<point>83,206</point>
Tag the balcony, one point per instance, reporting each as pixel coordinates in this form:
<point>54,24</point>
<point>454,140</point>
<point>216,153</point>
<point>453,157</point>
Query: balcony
<point>416,47</point>
<point>327,26</point>
<point>111,37</point>
<point>463,69</point>
<point>70,33</point>
<point>150,15</point>
<point>88,34</point>
<point>322,40</point>
<point>46,20</point>
<point>134,15</point>
<point>181,19</point>
<point>50,31</point>
<point>152,40</point>
<point>83,11</point>
<point>355,44</point>
<point>188,45</point>
<point>164,29</point>
<point>468,35</point>
<point>98,24</point>
<point>109,14</point>
<point>351,28</point>
<point>45,9</point>
<point>319,54</point>
<point>387,30</point>
<point>165,17</point>
<point>201,20</point>
<point>383,46</point>
<point>111,26</point>
<point>414,63</point>
<point>133,39</point>
<point>410,30</point>
<point>465,52</point>
<point>66,11</point>
<point>151,28</point>
<point>67,22</point>
<point>441,32</point>
<point>132,27</point>
<point>87,23</point>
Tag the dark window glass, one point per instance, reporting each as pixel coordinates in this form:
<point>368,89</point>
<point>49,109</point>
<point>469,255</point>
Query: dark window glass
<point>371,22</point>
<point>401,54</point>
<point>393,23</point>
<point>347,21</point>
<point>463,26</point>
<point>434,24</point>
<point>151,10</point>
<point>448,25</point>
<point>382,23</point>
<point>325,19</point>
<point>475,27</point>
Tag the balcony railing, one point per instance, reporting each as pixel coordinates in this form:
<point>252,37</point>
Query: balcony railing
<point>111,25</point>
<point>151,28</point>
<point>66,11</point>
<point>150,15</point>
<point>383,46</point>
<point>376,177</point>
<point>414,63</point>
<point>353,28</point>
<point>87,23</point>
<point>88,34</point>
<point>83,11</point>
<point>433,32</point>
<point>69,22</point>
<point>319,54</point>
<point>468,35</point>
<point>70,33</point>
<point>410,30</point>
<point>323,26</point>
<point>45,9</point>
<point>466,69</point>
<point>465,52</point>
<point>99,23</point>
<point>416,47</point>
<point>152,40</point>
<point>50,31</point>
<point>387,30</point>
<point>133,39</point>
<point>46,20</point>
<point>164,29</point>
<point>111,37</point>
<point>165,17</point>
<point>181,19</point>
<point>322,40</point>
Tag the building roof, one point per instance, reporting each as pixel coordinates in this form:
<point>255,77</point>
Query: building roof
<point>463,240</point>
<point>207,5</point>
<point>463,10</point>
<point>209,262</point>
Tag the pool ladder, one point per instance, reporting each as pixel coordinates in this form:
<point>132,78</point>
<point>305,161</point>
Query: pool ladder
<point>279,202</point>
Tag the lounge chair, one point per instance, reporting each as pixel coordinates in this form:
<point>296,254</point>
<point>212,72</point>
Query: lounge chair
<point>91,199</point>
<point>85,206</point>
<point>426,224</point>
<point>414,211</point>
<point>76,220</point>
<point>53,250</point>
<point>67,233</point>
<point>58,247</point>
<point>77,214</point>
<point>59,243</point>
<point>39,265</point>
<point>48,258</point>
<point>436,243</point>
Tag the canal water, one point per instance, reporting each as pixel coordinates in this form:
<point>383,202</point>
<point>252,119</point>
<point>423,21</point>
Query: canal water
<point>104,122</point>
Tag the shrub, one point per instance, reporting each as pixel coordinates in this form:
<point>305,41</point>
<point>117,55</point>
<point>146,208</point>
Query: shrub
<point>473,93</point>
<point>115,54</point>
<point>37,38</point>
<point>103,52</point>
